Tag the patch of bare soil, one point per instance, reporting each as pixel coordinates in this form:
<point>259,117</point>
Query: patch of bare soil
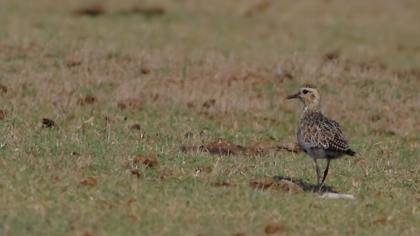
<point>238,234</point>
<point>223,147</point>
<point>92,10</point>
<point>220,147</point>
<point>261,148</point>
<point>98,9</point>
<point>274,228</point>
<point>372,65</point>
<point>90,181</point>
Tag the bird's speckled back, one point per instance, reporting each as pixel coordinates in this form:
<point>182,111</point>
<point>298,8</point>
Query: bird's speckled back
<point>316,131</point>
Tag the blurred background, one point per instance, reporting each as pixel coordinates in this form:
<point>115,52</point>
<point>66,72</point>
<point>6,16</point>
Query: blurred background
<point>173,52</point>
<point>87,85</point>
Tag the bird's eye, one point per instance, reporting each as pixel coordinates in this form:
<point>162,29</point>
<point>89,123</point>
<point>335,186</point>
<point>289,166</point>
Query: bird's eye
<point>305,91</point>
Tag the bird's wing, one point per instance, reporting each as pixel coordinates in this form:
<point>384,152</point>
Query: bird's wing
<point>326,134</point>
<point>337,142</point>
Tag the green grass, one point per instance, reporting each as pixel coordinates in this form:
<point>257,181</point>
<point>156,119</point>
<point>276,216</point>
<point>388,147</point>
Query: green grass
<point>196,52</point>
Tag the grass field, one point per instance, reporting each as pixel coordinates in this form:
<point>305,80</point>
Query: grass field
<point>126,90</point>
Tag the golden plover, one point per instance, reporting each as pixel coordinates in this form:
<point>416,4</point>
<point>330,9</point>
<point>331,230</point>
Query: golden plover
<point>317,135</point>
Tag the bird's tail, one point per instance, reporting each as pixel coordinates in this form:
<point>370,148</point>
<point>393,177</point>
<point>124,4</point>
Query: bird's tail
<point>350,152</point>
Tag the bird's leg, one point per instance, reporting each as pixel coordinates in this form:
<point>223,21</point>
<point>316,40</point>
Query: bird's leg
<point>325,172</point>
<point>318,175</point>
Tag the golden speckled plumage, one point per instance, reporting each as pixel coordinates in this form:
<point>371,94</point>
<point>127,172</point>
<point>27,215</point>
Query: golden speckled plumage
<point>317,131</point>
<point>319,136</point>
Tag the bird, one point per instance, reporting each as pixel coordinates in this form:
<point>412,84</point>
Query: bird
<point>319,136</point>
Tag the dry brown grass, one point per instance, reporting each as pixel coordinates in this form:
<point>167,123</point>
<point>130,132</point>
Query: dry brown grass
<point>383,99</point>
<point>122,93</point>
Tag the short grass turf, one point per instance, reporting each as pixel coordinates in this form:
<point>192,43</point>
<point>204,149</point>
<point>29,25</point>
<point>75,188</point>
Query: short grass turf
<point>123,85</point>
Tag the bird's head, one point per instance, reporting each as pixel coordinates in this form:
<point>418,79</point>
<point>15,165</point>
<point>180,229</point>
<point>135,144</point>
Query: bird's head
<point>309,95</point>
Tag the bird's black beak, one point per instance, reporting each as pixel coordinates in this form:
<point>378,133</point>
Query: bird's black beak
<point>293,96</point>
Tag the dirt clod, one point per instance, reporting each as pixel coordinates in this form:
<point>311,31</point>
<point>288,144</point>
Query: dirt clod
<point>135,127</point>
<point>238,234</point>
<point>87,233</point>
<point>274,228</point>
<point>209,103</point>
<point>147,161</point>
<point>260,148</point>
<point>220,147</point>
<point>73,62</point>
<point>381,220</point>
<point>131,201</point>
<point>92,10</point>
<point>331,56</point>
<point>203,169</point>
<point>90,181</point>
<point>135,172</point>
<point>3,88</point>
<point>224,147</point>
<point>2,115</point>
<point>145,70</point>
<point>75,154</point>
<point>86,100</point>
<point>48,123</point>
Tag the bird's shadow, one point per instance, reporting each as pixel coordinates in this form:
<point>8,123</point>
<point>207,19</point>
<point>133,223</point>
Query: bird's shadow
<point>307,187</point>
